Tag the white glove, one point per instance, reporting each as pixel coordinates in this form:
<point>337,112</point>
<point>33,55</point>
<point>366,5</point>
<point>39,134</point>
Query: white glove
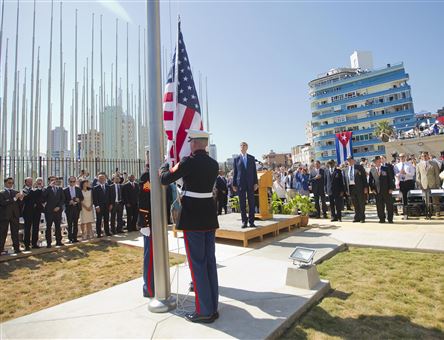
<point>145,231</point>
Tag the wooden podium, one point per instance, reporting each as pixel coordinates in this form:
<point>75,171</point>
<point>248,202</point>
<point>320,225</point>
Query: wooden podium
<point>265,179</point>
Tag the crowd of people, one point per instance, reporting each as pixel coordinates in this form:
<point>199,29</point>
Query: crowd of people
<point>101,201</point>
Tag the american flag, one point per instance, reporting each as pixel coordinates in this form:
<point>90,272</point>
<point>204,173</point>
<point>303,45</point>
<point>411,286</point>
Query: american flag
<point>181,108</point>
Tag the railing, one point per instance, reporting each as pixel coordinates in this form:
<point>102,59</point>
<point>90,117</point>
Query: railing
<point>22,167</point>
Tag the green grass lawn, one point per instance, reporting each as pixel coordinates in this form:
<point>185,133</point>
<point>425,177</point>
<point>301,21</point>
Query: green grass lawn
<point>378,294</point>
<point>33,283</point>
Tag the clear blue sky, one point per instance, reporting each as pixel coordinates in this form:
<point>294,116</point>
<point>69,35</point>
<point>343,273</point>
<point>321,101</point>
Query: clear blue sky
<point>259,56</point>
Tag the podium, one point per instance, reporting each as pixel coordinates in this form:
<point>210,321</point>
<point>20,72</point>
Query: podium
<point>265,181</point>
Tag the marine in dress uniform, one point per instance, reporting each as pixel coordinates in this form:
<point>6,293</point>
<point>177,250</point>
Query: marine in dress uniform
<point>198,220</point>
<point>144,222</point>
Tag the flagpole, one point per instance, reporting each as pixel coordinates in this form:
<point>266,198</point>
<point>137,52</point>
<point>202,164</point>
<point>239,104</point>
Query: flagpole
<point>12,147</point>
<point>163,301</point>
<point>3,137</point>
<point>48,136</point>
<point>31,112</point>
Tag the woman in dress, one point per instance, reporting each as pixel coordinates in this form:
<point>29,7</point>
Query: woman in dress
<point>302,182</point>
<point>86,214</point>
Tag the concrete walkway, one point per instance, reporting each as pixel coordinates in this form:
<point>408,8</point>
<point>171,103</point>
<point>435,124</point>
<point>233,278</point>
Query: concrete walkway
<point>255,303</point>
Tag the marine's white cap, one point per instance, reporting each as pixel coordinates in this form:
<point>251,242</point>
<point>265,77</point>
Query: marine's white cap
<point>197,134</point>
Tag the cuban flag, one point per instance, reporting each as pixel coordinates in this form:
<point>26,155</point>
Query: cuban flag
<point>344,146</point>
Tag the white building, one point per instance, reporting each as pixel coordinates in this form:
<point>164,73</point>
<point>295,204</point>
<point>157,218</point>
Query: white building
<point>90,145</point>
<point>362,60</point>
<point>59,142</point>
<point>119,134</point>
<point>302,154</point>
<point>212,150</point>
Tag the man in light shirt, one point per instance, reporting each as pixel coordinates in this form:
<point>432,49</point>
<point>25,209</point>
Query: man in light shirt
<point>405,174</point>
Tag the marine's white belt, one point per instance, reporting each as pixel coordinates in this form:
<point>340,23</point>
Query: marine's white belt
<point>198,194</point>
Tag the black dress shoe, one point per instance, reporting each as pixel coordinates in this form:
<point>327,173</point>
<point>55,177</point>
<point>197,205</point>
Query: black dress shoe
<point>17,251</point>
<point>334,220</point>
<point>27,248</point>
<point>109,234</point>
<point>391,222</point>
<point>36,247</point>
<point>381,221</point>
<point>75,241</point>
<point>194,317</point>
<point>60,244</point>
<point>48,246</point>
<point>244,225</point>
<point>356,221</point>
<point>99,236</point>
<point>253,226</point>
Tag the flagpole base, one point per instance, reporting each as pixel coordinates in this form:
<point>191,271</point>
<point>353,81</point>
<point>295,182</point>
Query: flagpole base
<point>162,306</point>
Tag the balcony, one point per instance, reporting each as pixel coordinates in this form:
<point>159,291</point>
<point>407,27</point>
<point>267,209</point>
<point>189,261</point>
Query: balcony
<point>364,120</point>
<point>363,108</point>
<point>395,76</point>
<point>373,73</point>
<point>359,143</point>
<point>356,155</point>
<point>392,90</point>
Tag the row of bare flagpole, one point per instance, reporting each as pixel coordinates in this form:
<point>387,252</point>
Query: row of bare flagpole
<point>21,121</point>
<point>92,106</point>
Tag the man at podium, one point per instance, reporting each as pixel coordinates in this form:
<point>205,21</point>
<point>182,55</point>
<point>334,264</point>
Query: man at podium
<point>245,183</point>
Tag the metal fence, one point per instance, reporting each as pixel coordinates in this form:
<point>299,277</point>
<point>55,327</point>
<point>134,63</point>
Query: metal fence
<point>22,167</point>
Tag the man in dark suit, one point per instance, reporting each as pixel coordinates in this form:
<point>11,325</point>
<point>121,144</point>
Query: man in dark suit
<point>38,209</point>
<point>130,196</point>
<point>101,201</point>
<point>27,212</point>
<point>245,183</point>
<point>116,205</point>
<point>382,183</point>
<point>9,215</point>
<point>54,199</point>
<point>334,188</point>
<point>222,193</point>
<point>356,183</point>
<point>73,199</point>
<point>317,188</point>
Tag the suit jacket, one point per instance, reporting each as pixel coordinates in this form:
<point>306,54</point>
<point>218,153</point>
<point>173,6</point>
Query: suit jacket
<point>53,199</point>
<point>130,195</point>
<point>244,178</point>
<point>317,185</point>
<point>28,203</point>
<point>101,198</point>
<point>68,198</point>
<point>427,175</point>
<point>221,186</point>
<point>382,182</point>
<point>360,177</point>
<point>334,182</point>
<point>9,208</point>
<point>112,193</point>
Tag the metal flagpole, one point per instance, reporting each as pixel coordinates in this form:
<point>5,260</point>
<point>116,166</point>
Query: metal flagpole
<point>36,113</point>
<point>12,147</point>
<point>3,139</point>
<point>31,111</point>
<point>139,109</point>
<point>93,120</point>
<point>2,122</point>
<point>163,300</point>
<point>61,71</point>
<point>117,128</point>
<point>76,93</point>
<point>127,146</point>
<point>48,136</point>
<point>24,116</point>
<point>102,93</point>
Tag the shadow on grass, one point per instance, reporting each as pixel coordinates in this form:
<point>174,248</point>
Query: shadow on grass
<point>34,262</point>
<point>363,327</point>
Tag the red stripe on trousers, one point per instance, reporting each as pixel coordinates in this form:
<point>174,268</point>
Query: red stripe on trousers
<point>184,125</point>
<point>150,269</point>
<point>192,272</point>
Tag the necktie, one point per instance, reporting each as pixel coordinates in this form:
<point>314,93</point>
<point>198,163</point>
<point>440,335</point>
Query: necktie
<point>118,193</point>
<point>54,189</point>
<point>103,187</point>
<point>352,173</point>
<point>402,168</point>
<point>245,161</point>
<point>132,183</point>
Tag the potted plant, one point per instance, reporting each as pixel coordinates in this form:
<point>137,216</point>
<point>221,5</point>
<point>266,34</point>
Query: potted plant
<point>384,130</point>
<point>276,204</point>
<point>235,204</point>
<point>305,207</point>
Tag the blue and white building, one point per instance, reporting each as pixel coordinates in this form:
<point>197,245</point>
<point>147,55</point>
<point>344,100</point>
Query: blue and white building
<point>355,99</point>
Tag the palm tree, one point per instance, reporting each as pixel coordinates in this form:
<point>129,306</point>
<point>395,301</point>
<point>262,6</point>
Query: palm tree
<point>384,130</point>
